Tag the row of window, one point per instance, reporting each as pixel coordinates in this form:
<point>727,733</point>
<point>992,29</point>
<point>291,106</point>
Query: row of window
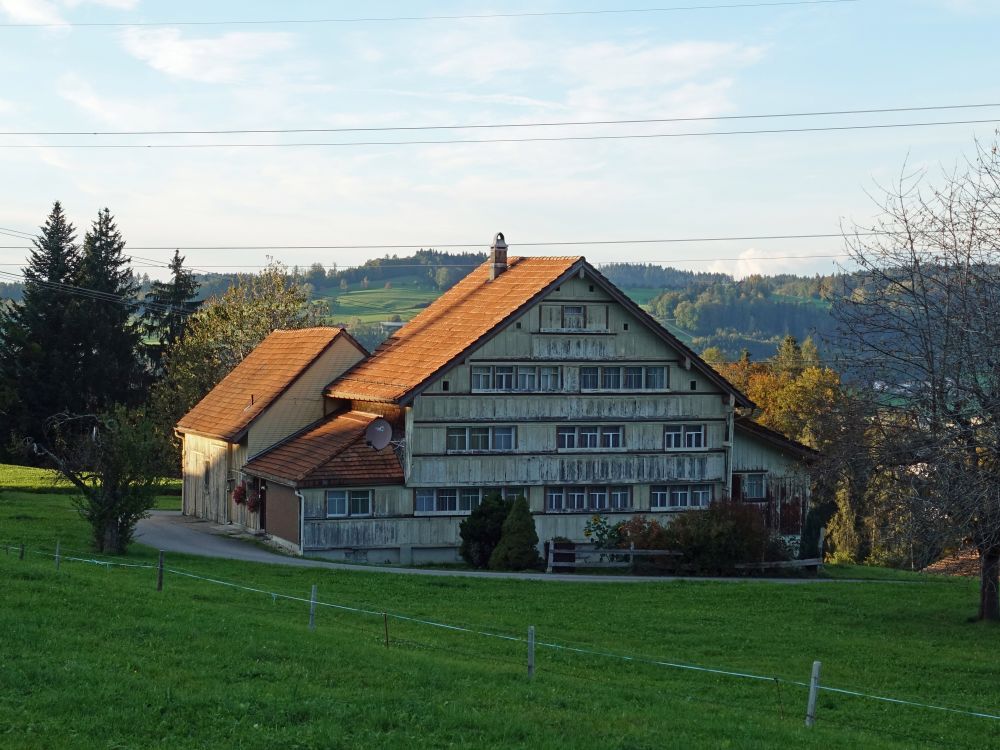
<point>548,378</point>
<point>358,503</point>
<point>569,437</point>
<point>458,500</point>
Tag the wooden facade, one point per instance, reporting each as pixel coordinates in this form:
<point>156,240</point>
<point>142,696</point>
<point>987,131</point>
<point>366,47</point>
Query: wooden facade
<point>212,466</point>
<point>499,386</point>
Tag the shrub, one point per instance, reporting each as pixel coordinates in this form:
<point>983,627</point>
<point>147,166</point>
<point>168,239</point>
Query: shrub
<point>518,547</point>
<point>604,533</point>
<point>723,535</point>
<point>481,531</point>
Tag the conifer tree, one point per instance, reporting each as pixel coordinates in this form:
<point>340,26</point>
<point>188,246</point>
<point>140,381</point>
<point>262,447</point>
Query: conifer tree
<point>40,354</point>
<point>111,371</point>
<point>167,308</point>
<point>518,546</point>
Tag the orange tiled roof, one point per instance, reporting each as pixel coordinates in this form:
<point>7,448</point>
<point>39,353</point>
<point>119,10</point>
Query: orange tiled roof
<point>256,382</point>
<point>455,322</point>
<point>330,453</point>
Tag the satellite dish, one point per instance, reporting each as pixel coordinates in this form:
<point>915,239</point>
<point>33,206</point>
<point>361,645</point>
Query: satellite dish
<point>378,434</point>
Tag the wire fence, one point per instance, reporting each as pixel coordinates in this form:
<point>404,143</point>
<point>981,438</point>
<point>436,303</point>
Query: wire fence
<point>569,666</point>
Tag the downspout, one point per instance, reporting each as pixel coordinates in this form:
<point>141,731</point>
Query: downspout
<point>302,521</point>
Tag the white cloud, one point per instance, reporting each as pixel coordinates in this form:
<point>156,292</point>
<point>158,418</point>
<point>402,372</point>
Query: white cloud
<point>753,261</point>
<point>122,113</point>
<point>31,11</point>
<point>223,59</point>
<point>604,66</point>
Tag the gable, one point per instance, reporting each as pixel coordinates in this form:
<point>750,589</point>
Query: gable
<point>468,319</point>
<point>256,383</point>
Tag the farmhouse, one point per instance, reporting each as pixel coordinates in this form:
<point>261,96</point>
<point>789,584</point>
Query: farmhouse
<point>532,376</point>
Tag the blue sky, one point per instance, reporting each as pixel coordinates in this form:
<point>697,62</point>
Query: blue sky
<point>855,55</point>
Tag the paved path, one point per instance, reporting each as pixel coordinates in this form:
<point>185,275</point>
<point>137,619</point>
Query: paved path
<point>168,530</point>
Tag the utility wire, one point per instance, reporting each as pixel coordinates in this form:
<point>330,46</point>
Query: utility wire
<point>455,17</point>
<point>554,124</point>
<point>532,139</point>
<point>480,244</point>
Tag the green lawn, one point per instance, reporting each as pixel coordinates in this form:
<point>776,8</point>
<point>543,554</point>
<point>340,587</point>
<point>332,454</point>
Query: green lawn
<point>30,479</point>
<point>377,304</point>
<point>93,656</point>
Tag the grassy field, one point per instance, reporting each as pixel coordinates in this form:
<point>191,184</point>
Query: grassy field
<point>30,479</point>
<point>408,297</point>
<point>94,656</point>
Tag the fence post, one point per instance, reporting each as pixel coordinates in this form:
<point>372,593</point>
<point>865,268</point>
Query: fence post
<point>20,555</point>
<point>552,547</point>
<point>531,651</point>
<point>57,554</point>
<point>813,689</point>
<point>631,557</point>
<point>385,619</point>
<point>312,609</point>
<point>159,572</point>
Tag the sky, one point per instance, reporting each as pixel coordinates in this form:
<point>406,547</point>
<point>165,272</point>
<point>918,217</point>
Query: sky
<point>710,62</point>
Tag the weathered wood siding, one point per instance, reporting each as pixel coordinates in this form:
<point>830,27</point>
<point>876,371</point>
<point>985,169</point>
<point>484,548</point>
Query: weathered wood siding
<point>612,337</point>
<point>206,468</point>
<point>302,403</point>
<point>282,514</point>
<point>752,454</point>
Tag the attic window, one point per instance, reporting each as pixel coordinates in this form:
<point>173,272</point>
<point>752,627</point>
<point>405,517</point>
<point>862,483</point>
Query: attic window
<point>558,288</point>
<point>517,324</point>
<point>694,385</point>
<point>445,385</point>
<point>591,287</point>
<point>624,326</point>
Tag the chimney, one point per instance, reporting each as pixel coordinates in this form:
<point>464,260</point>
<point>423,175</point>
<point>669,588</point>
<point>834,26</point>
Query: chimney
<point>498,256</point>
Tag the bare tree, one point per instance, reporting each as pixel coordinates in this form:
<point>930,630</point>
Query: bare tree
<point>923,329</point>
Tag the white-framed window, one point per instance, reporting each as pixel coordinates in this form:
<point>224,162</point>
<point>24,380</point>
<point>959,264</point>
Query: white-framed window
<point>590,498</point>
<point>673,437</point>
<point>527,378</point>
<point>656,378</point>
<point>679,496</point>
<point>684,437</point>
<point>503,378</point>
<point>611,437</point>
<point>589,436</point>
<point>480,439</point>
<point>632,379</point>
<point>627,378</point>
<point>694,436</point>
<point>347,503</point>
<point>549,379</point>
<point>482,378</point>
<point>516,378</point>
<point>574,316</point>
<point>754,486</point>
<point>457,500</point>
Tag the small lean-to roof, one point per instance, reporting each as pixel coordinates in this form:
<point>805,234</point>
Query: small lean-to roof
<point>454,323</point>
<point>775,438</point>
<point>330,453</point>
<point>256,382</point>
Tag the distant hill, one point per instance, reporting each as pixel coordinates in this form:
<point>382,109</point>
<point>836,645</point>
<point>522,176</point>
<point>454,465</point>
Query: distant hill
<point>703,309</point>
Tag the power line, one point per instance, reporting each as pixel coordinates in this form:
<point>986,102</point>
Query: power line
<point>455,17</point>
<point>465,245</point>
<point>531,139</point>
<point>552,124</point>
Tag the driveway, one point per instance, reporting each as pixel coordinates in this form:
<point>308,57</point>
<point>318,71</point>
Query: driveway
<point>169,531</point>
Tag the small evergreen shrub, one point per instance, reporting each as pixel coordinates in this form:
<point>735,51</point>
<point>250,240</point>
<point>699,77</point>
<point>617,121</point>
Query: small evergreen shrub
<point>481,531</point>
<point>518,547</point>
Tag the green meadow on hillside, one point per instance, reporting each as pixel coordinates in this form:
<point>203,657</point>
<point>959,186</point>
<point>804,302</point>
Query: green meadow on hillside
<point>93,655</point>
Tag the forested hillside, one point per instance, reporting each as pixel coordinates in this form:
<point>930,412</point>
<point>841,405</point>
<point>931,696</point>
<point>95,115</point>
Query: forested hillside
<point>704,309</point>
